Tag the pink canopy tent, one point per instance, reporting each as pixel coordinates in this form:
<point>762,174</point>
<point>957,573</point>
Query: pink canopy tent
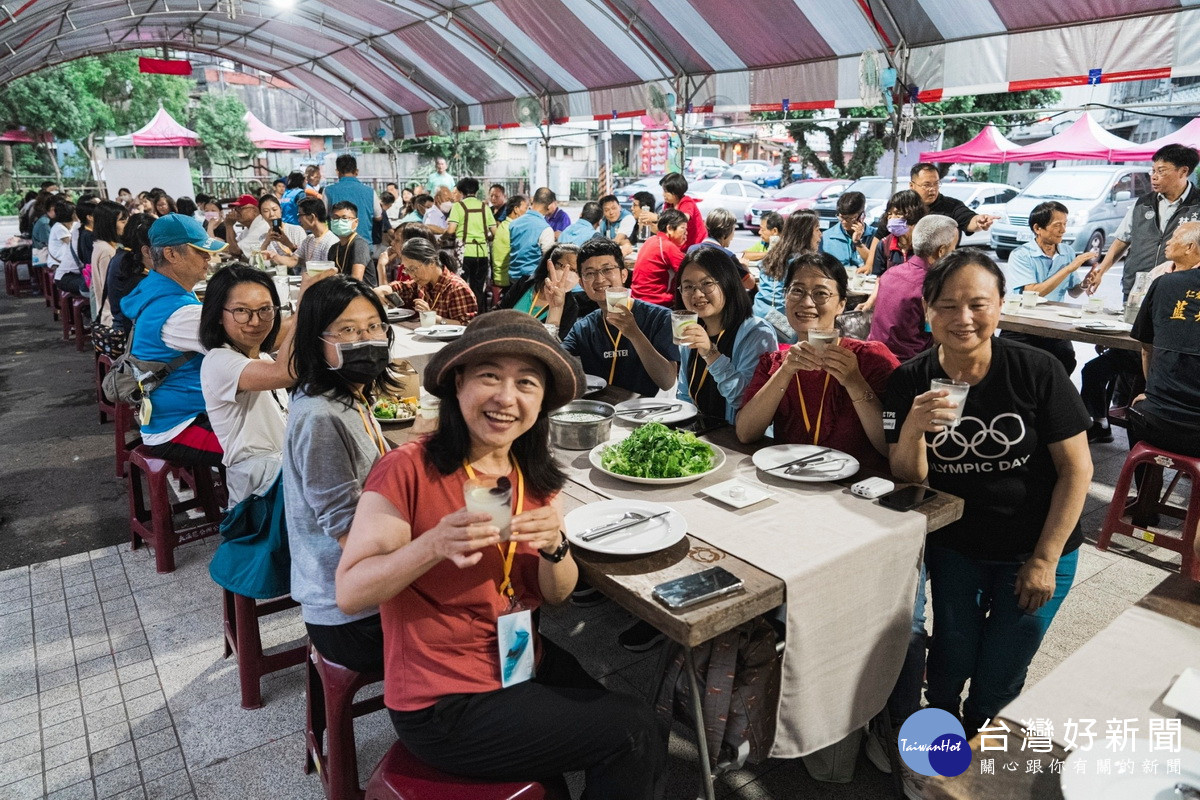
<point>164,131</point>
<point>988,147</point>
<point>1083,140</point>
<point>21,136</point>
<point>267,138</point>
<point>1188,135</point>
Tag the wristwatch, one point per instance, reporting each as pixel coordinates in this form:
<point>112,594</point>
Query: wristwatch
<point>559,553</point>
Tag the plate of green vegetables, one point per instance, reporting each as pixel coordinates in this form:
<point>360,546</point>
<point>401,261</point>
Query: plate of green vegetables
<point>657,455</point>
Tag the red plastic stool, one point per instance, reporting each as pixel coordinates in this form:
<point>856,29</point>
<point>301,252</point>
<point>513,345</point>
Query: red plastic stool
<point>331,709</point>
<point>46,276</point>
<point>401,776</point>
<point>1157,460</point>
<point>152,514</point>
<point>63,312</point>
<point>12,278</point>
<point>81,310</point>
<point>242,637</point>
<point>107,410</point>
<point>125,424</point>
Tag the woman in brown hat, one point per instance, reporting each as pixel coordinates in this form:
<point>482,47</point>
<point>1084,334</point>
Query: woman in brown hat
<point>455,598</point>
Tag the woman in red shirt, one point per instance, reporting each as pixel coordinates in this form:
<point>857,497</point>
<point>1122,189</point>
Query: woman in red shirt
<point>656,270</point>
<point>831,398</point>
<point>456,600</point>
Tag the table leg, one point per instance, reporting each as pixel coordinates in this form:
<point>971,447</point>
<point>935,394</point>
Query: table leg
<point>698,715</point>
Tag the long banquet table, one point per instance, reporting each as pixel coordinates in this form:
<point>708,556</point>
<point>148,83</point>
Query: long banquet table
<point>1049,320</point>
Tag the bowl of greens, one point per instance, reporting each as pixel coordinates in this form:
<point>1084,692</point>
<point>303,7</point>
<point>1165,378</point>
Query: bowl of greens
<point>655,454</point>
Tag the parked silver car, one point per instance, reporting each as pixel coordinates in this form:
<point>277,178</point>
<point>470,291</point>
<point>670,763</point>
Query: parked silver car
<point>1096,198</point>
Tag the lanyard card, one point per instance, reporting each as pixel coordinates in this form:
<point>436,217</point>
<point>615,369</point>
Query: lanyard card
<point>514,634</point>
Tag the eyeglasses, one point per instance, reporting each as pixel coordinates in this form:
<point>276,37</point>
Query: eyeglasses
<point>592,274</point>
<point>706,287</point>
<point>349,333</point>
<point>928,185</point>
<point>244,315</point>
<point>819,296</point>
<point>1158,172</point>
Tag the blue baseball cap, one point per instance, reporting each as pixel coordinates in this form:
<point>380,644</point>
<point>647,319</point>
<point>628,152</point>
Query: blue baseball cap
<point>176,229</point>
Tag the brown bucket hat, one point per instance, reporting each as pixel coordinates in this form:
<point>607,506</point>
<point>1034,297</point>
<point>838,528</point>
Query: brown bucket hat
<point>507,332</point>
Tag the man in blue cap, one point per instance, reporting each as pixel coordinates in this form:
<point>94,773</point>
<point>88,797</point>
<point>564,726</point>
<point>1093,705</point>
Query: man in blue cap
<point>166,316</point>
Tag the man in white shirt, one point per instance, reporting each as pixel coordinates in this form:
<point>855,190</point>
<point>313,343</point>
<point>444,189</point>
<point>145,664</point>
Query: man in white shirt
<point>243,213</point>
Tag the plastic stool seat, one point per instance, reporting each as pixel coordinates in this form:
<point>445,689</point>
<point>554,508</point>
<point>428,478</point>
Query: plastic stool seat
<point>402,776</point>
<point>151,512</point>
<point>242,636</point>
<point>331,709</point>
<point>1184,542</point>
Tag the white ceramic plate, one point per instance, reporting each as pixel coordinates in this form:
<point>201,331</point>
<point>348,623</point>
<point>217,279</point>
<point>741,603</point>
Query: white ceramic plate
<point>833,466</point>
<point>594,458</point>
<point>400,314</point>
<point>722,494</point>
<point>648,537</point>
<point>1089,784</point>
<point>595,383</point>
<point>684,410</point>
<point>443,333</point>
<point>1104,326</point>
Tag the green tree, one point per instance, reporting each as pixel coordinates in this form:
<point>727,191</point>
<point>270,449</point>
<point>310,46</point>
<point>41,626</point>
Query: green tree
<point>219,120</point>
<point>466,153</point>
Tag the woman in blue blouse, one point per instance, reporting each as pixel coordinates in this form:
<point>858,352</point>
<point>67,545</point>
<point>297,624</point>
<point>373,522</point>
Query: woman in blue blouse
<point>720,353</point>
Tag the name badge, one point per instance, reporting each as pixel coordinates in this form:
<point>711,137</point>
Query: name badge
<point>1149,215</point>
<point>514,635</point>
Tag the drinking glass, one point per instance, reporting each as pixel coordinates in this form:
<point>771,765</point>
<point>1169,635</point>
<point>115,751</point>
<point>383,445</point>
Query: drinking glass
<point>679,322</point>
<point>491,496</point>
<point>821,338</point>
<point>958,394</point>
<point>617,298</point>
<point>1029,299</point>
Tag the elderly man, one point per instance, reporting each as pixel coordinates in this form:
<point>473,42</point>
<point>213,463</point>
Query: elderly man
<point>1150,222</point>
<point>244,213</point>
<point>166,316</point>
<point>497,201</point>
<point>926,182</point>
<point>440,177</point>
<point>1047,266</point>
<point>899,318</point>
<point>617,223</point>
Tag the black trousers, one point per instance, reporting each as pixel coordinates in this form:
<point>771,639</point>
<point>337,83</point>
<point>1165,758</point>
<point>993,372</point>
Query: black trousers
<point>475,270</point>
<point>561,721</point>
<point>357,645</point>
<point>1061,349</point>
<point>72,283</point>
<point>1104,374</point>
<point>1172,436</point>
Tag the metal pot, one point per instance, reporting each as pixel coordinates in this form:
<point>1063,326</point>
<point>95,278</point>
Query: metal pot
<point>581,435</point>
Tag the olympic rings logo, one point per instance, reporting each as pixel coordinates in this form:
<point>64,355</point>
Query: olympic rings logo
<point>982,441</point>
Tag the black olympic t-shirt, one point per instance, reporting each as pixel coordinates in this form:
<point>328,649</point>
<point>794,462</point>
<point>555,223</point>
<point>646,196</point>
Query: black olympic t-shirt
<point>1170,320</point>
<point>592,340</point>
<point>997,459</point>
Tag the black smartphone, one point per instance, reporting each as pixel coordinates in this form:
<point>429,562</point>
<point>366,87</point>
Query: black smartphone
<point>277,224</point>
<point>907,498</point>
<point>697,587</point>
<point>395,301</point>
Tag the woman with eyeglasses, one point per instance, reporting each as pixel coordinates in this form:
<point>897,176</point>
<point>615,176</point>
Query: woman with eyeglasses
<point>548,294</point>
<point>801,234</point>
<point>816,393</point>
<point>340,357</point>
<point>244,386</point>
<point>720,352</point>
<point>431,284</point>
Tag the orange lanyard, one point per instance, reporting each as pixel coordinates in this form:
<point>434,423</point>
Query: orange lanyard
<point>506,588</point>
<point>612,371</point>
<point>816,434</point>
<point>696,359</point>
<point>371,429</point>
<point>534,311</point>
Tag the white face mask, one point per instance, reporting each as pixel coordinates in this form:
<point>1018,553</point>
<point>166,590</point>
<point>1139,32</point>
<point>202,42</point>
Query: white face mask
<point>445,207</point>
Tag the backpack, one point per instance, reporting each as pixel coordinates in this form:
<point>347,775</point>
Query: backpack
<point>740,671</point>
<point>131,379</point>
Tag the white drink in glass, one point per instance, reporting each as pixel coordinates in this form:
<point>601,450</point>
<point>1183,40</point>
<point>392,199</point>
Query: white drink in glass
<point>618,298</point>
<point>428,319</point>
<point>958,394</point>
<point>679,322</point>
<point>820,339</point>
<point>491,496</point>
<point>1029,299</point>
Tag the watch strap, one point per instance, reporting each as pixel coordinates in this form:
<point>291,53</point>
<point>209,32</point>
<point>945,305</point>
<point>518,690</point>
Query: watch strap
<point>559,553</point>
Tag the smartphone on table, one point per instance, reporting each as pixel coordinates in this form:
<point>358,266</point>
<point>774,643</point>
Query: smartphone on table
<point>906,498</point>
<point>696,588</point>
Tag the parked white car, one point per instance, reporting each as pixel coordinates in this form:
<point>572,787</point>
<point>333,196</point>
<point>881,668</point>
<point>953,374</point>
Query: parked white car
<point>982,198</point>
<point>734,196</point>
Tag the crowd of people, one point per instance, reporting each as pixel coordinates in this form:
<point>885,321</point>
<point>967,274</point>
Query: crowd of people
<point>391,572</point>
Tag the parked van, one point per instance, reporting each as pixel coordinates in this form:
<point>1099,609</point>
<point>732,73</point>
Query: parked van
<point>1096,198</point>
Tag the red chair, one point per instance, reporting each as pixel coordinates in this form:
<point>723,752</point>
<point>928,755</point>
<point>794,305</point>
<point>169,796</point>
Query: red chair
<point>48,291</point>
<point>80,311</point>
<point>401,776</point>
<point>64,312</point>
<point>125,424</point>
<point>107,410</point>
<point>152,514</point>
<point>242,637</point>
<point>331,709</point>
<point>1150,501</point>
<point>13,283</point>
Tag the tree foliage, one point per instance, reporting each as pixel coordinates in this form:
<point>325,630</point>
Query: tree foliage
<point>219,120</point>
<point>466,153</point>
<point>872,139</point>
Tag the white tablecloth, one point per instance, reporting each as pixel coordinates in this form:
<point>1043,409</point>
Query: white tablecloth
<point>850,567</point>
<point>417,350</point>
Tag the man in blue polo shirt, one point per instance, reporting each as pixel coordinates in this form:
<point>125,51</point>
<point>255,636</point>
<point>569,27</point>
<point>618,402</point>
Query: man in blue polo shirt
<point>350,189</point>
<point>630,348</point>
<point>1047,266</point>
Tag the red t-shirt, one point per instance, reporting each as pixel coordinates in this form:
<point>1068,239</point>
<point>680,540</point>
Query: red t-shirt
<point>840,426</point>
<point>655,271</point>
<point>697,231</point>
<point>439,634</point>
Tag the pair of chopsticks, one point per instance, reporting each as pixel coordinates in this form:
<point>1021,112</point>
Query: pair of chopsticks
<point>801,461</point>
